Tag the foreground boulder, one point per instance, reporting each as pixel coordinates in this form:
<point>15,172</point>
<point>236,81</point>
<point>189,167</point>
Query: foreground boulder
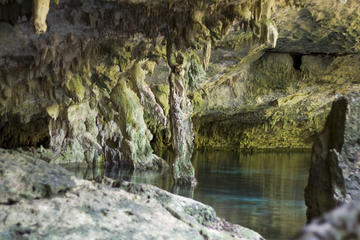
<point>334,172</point>
<point>80,209</point>
<point>340,224</point>
<point>24,177</point>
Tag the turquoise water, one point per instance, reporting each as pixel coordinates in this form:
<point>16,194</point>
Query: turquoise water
<point>262,191</point>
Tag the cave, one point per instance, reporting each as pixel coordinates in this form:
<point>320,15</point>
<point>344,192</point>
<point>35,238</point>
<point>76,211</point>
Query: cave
<point>118,118</point>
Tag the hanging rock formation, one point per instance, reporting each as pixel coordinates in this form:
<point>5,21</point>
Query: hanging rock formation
<point>61,89</point>
<point>202,26</point>
<point>41,10</point>
<point>334,171</point>
<point>84,89</point>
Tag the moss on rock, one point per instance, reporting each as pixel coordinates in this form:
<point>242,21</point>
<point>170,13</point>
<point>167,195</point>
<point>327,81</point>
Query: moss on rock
<point>136,148</point>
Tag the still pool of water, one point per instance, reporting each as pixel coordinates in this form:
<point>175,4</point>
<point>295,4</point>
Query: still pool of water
<point>261,191</point>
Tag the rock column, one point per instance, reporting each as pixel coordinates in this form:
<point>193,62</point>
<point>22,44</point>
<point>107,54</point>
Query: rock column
<point>182,134</point>
<point>335,162</point>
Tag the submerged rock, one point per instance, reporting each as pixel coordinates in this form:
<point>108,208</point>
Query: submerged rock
<point>90,210</point>
<point>334,172</point>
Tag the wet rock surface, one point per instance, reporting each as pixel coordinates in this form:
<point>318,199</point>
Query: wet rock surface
<point>334,171</point>
<point>107,210</point>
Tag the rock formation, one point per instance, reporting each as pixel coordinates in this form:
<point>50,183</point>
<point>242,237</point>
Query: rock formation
<point>82,89</point>
<point>334,171</point>
<point>341,223</point>
<point>109,81</point>
<point>118,81</point>
<point>45,205</point>
<point>180,122</point>
<point>41,10</point>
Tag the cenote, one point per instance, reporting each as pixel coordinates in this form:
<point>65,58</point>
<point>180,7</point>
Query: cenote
<point>113,82</point>
<point>261,191</point>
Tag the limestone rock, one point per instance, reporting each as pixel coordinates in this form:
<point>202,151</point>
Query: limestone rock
<point>136,149</point>
<point>41,10</point>
<point>341,223</point>
<point>89,45</point>
<point>89,210</point>
<point>311,26</point>
<point>24,177</point>
<point>182,136</point>
<point>334,171</point>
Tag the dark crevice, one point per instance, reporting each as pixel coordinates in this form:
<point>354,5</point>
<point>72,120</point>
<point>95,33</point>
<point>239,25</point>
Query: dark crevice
<point>204,235</point>
<point>9,202</point>
<point>16,133</point>
<point>336,124</point>
<point>297,60</point>
<point>16,11</point>
<point>306,53</point>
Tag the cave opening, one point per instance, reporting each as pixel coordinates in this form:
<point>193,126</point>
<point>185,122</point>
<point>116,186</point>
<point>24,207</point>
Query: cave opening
<point>297,60</point>
<point>15,133</point>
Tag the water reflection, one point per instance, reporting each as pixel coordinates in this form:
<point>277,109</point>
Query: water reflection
<point>262,191</point>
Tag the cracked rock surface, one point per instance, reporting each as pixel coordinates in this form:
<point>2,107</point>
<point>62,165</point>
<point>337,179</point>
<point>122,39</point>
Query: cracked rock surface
<point>107,210</point>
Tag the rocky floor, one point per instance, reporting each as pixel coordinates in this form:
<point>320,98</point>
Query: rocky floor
<point>43,201</point>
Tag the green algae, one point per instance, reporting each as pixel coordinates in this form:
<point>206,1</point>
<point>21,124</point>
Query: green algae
<point>75,86</point>
<point>53,111</point>
<point>162,92</point>
<point>278,107</point>
<point>196,70</point>
<point>136,147</point>
<point>253,131</point>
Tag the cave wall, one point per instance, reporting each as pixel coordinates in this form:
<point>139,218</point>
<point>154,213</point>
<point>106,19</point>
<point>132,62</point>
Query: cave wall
<point>88,111</point>
<point>76,80</point>
<point>77,92</point>
<point>95,85</point>
<point>279,101</point>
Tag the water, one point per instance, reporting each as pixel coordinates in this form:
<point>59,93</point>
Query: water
<point>262,191</point>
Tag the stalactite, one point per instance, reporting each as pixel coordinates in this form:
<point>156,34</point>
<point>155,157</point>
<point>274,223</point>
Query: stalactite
<point>257,15</point>
<point>207,55</point>
<point>41,10</point>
